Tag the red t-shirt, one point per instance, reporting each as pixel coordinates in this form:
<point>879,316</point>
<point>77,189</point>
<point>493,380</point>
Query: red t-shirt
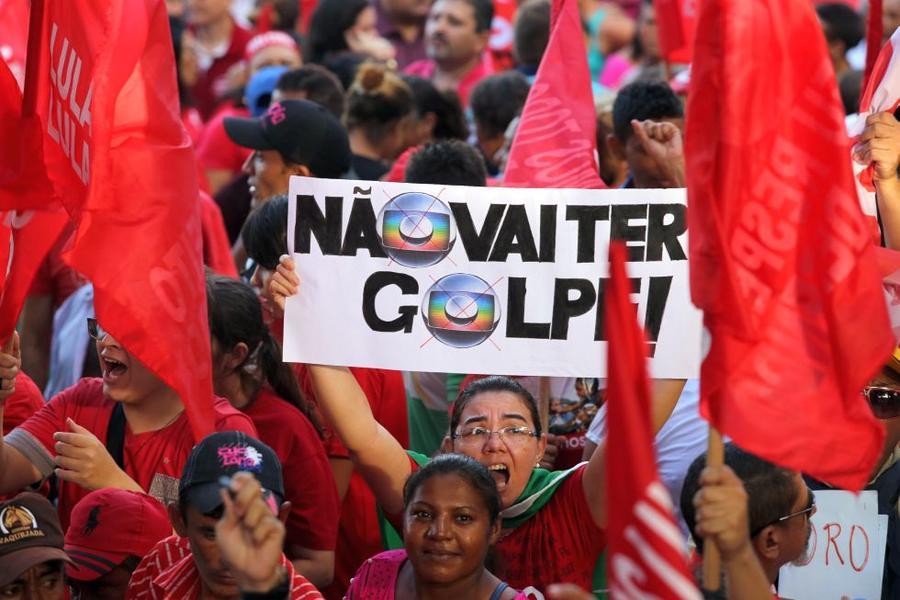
<point>22,403</point>
<point>211,84</point>
<point>215,150</point>
<point>427,68</point>
<point>308,481</point>
<point>216,249</point>
<point>154,459</point>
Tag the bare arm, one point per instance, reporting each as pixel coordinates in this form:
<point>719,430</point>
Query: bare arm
<point>16,471</point>
<point>665,396</point>
<point>315,565</point>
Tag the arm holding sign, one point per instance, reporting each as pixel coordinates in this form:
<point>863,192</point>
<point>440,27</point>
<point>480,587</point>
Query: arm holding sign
<point>378,456</point>
<point>879,145</point>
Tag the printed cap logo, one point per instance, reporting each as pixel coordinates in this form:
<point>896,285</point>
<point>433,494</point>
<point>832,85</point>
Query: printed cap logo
<point>246,458</point>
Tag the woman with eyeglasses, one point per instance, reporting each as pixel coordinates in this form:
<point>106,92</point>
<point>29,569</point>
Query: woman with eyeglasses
<point>126,429</point>
<point>451,519</point>
<point>247,370</point>
<point>552,522</point>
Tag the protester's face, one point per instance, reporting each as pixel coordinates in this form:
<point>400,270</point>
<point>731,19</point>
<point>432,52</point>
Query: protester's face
<point>450,33</point>
<point>365,23</point>
<point>269,175</point>
<point>646,172</point>
<point>647,31</point>
<point>42,582</point>
<point>206,12</point>
<point>275,56</point>
<point>125,378</point>
<point>510,463</point>
<point>798,529</point>
<point>407,10</point>
<point>890,19</point>
<point>447,530</point>
<point>201,532</point>
<point>111,586</point>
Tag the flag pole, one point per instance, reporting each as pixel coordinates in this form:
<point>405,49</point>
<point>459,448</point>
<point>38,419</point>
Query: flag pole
<point>544,403</point>
<point>33,59</point>
<point>712,567</point>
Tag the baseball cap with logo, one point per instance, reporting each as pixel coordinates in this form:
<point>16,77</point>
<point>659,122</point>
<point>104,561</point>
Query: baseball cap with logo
<point>108,526</point>
<point>30,534</point>
<point>303,132</point>
<point>223,454</point>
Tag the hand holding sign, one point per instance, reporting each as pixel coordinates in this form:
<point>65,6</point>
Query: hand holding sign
<point>284,282</point>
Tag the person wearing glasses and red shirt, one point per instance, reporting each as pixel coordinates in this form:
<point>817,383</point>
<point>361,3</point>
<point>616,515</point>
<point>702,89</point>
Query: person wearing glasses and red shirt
<point>129,413</point>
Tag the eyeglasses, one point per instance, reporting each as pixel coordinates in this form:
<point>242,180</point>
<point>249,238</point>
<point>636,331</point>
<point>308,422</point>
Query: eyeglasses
<point>95,331</point>
<point>511,436</point>
<point>885,401</point>
<point>810,509</point>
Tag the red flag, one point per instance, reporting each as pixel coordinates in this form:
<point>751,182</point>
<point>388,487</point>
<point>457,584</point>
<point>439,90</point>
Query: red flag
<point>676,23</point>
<point>874,34</point>
<point>647,552</point>
<point>782,263</point>
<point>14,36</point>
<point>117,154</point>
<point>555,144</point>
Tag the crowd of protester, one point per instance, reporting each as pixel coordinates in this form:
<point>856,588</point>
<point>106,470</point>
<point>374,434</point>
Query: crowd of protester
<point>358,482</point>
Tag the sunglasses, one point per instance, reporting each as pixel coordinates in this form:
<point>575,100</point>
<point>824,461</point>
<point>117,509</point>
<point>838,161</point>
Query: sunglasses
<point>885,402</point>
<point>94,330</point>
<point>809,509</point>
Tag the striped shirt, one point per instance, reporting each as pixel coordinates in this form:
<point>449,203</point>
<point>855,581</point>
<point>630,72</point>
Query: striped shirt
<point>168,572</point>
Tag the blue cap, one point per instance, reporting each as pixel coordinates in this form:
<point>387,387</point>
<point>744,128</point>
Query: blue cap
<point>259,89</point>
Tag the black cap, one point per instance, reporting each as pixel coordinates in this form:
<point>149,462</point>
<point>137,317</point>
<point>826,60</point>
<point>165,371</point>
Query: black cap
<point>223,454</point>
<point>303,132</point>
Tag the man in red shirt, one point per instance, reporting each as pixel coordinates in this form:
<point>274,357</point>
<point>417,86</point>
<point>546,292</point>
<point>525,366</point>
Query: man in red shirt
<point>456,37</point>
<point>191,566</point>
<point>129,413</point>
<point>220,44</point>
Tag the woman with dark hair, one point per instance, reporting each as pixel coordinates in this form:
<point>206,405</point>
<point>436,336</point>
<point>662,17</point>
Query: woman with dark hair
<point>378,117</point>
<point>339,26</point>
<point>451,518</point>
<point>247,370</point>
<point>438,115</point>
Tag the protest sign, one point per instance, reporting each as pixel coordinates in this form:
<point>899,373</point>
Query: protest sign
<point>845,558</point>
<point>471,280</point>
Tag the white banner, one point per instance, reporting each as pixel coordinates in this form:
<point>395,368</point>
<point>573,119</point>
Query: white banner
<point>482,280</point>
<point>846,551</point>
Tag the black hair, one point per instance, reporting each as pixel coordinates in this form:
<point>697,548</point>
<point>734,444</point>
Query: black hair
<point>466,468</point>
<point>770,489</point>
<point>498,99</point>
<point>344,65</point>
<point>484,14</point>
<point>320,85</point>
<point>265,232</point>
<point>447,162</point>
<point>531,32</point>
<point>236,316</point>
<point>643,100</point>
<point>495,383</point>
<point>445,106</point>
<point>840,22</point>
<point>376,101</point>
<point>176,28</point>
<point>850,87</point>
<point>327,25</point>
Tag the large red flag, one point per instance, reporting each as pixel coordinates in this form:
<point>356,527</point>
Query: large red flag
<point>555,144</point>
<point>676,23</point>
<point>14,36</point>
<point>782,263</point>
<point>647,553</point>
<point>121,162</point>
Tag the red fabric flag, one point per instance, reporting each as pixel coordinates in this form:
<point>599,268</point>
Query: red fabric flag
<point>555,144</point>
<point>14,36</point>
<point>647,552</point>
<point>782,263</point>
<point>874,34</point>
<point>676,24</point>
<point>120,160</point>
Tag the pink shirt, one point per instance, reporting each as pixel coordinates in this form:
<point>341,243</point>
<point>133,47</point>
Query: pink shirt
<point>427,69</point>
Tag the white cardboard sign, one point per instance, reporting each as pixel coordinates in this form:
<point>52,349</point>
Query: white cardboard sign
<point>473,280</point>
<point>846,551</point>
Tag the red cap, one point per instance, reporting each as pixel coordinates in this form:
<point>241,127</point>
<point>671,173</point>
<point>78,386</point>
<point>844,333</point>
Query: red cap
<point>268,39</point>
<point>109,525</point>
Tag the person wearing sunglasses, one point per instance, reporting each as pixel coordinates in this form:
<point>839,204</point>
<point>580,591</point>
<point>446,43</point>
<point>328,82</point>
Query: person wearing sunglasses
<point>126,429</point>
<point>756,513</point>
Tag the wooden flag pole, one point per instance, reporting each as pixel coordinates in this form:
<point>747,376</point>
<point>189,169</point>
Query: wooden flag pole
<point>712,563</point>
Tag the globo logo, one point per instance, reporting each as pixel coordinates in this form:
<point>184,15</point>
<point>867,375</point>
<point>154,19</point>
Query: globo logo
<point>461,310</point>
<point>416,229</point>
